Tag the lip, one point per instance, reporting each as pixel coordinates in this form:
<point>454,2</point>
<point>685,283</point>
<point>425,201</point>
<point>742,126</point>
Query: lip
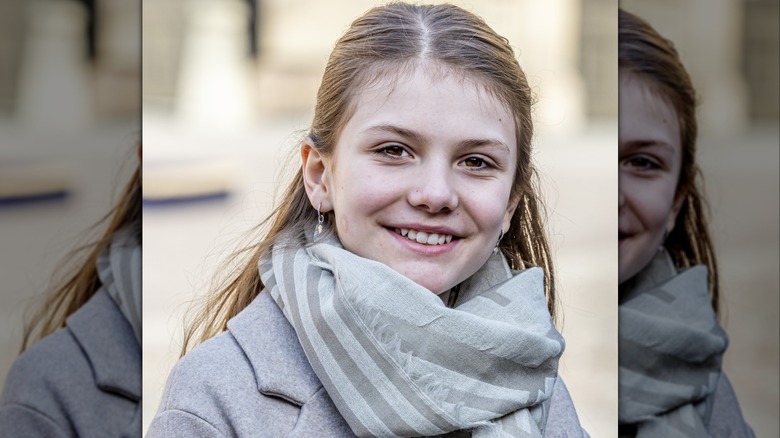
<point>623,237</point>
<point>425,228</point>
<point>422,249</point>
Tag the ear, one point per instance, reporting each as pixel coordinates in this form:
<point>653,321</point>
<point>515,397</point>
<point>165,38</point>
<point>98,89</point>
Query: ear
<point>672,219</point>
<point>514,200</point>
<point>316,176</point>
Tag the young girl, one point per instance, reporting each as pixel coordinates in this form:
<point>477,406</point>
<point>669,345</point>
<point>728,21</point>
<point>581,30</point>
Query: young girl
<point>79,374</point>
<point>404,286</point>
<point>670,343</point>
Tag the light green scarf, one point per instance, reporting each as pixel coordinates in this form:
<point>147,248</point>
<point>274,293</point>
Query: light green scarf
<point>670,351</point>
<point>397,362</point>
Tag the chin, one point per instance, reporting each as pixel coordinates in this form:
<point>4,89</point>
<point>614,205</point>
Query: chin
<point>436,287</point>
<point>634,263</point>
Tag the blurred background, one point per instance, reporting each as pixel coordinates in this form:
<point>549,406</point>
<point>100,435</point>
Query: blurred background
<point>731,51</point>
<point>69,131</point>
<point>229,89</point>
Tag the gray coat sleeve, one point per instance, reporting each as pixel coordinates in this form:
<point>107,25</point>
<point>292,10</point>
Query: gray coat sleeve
<point>21,421</point>
<point>175,423</point>
<point>726,419</point>
<point>562,420</point>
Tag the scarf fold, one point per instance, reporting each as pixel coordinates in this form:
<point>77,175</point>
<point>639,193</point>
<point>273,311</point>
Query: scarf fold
<point>119,270</point>
<point>670,349</point>
<point>397,362</point>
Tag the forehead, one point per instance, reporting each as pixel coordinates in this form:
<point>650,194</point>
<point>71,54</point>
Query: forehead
<point>435,99</point>
<point>646,116</point>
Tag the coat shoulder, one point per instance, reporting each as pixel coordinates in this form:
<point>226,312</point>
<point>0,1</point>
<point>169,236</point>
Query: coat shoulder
<point>45,378</point>
<point>253,377</point>
<point>213,388</point>
<point>51,389</point>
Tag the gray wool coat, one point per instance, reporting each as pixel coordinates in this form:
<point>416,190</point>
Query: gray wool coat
<point>254,381</point>
<point>82,381</point>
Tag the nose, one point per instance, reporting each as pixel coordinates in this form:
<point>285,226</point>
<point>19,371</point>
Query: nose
<point>433,189</point>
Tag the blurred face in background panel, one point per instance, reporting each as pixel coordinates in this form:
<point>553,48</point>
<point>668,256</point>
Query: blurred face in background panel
<point>650,158</point>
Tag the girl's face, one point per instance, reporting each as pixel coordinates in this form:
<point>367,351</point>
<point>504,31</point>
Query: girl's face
<point>420,177</point>
<point>650,157</point>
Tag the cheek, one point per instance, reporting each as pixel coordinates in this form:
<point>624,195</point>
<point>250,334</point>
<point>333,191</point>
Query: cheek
<point>488,206</point>
<point>651,202</point>
<point>358,195</point>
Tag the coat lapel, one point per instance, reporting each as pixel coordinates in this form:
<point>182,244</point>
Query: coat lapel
<point>108,341</point>
<point>273,350</point>
<point>282,369</point>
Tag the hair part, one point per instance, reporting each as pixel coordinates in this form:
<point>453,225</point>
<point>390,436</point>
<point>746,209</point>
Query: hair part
<point>381,45</point>
<point>644,52</point>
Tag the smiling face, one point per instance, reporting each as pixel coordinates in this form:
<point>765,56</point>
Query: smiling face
<point>650,156</point>
<point>421,176</point>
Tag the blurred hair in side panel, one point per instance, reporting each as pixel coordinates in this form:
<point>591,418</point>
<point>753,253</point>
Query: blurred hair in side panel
<point>70,218</point>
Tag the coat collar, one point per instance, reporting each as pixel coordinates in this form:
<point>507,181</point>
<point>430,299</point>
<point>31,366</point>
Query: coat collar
<point>109,344</point>
<point>274,352</point>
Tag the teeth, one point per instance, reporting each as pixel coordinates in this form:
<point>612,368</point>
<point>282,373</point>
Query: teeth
<point>423,237</point>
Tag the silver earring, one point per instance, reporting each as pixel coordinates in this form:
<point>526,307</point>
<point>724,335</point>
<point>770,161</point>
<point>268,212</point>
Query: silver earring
<point>501,236</point>
<point>320,220</point>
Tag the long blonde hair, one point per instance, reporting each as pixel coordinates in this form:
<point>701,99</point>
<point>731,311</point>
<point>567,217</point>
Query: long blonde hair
<point>82,282</point>
<point>643,51</point>
<point>385,41</point>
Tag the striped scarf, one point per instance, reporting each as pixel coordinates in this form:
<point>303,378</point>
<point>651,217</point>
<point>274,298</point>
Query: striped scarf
<point>397,362</point>
<point>119,270</point>
<point>670,351</point>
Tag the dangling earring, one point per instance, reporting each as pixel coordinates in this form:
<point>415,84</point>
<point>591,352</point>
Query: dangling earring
<point>320,220</point>
<point>501,236</point>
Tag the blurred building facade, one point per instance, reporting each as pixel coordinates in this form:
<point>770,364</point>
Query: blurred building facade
<point>567,48</point>
<point>731,49</point>
<point>285,45</point>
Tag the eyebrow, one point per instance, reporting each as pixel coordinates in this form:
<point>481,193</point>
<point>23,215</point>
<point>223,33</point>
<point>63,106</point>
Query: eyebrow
<point>420,138</point>
<point>641,144</point>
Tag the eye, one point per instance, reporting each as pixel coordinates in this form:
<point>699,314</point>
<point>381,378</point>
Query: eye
<point>476,163</point>
<point>393,151</point>
<point>642,163</point>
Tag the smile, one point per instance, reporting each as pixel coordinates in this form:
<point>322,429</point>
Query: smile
<point>423,237</point>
